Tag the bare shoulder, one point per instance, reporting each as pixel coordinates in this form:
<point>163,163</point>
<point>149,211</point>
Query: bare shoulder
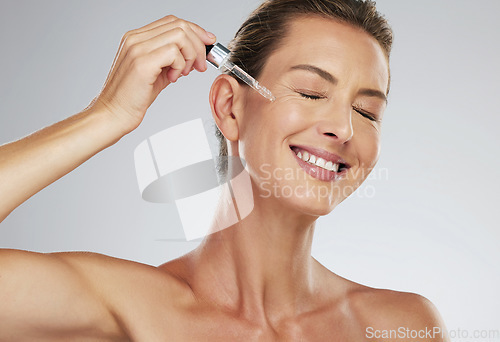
<point>396,316</point>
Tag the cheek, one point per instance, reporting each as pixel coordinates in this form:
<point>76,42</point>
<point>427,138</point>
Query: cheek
<point>264,133</point>
<point>270,124</point>
<point>368,147</point>
<point>289,117</point>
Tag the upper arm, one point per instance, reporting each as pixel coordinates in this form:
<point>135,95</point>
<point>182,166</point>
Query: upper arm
<point>43,296</point>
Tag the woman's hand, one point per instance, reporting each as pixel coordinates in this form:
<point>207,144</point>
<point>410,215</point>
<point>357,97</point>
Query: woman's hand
<point>148,60</point>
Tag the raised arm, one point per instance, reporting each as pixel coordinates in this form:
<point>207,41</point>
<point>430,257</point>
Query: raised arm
<point>149,59</point>
<point>45,298</point>
<point>56,297</point>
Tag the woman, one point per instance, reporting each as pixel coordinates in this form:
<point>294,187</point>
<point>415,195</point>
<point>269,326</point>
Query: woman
<point>327,64</point>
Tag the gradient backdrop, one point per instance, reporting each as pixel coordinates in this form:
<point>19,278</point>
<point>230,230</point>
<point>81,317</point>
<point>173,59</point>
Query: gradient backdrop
<point>427,224</point>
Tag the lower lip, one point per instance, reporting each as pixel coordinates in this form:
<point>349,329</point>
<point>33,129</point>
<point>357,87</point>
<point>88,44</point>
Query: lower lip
<point>318,172</point>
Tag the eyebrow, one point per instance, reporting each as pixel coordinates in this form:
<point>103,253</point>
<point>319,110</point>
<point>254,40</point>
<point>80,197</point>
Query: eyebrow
<point>322,73</point>
<point>373,93</point>
<point>332,79</point>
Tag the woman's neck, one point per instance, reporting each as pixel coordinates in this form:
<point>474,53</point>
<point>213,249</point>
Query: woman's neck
<point>259,267</point>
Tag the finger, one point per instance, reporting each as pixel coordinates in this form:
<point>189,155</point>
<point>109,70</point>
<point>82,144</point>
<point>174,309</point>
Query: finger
<point>162,21</point>
<point>183,36</point>
<point>150,65</point>
<point>174,31</point>
<point>206,36</point>
<point>176,64</point>
<point>195,33</point>
<point>199,59</point>
<point>181,39</point>
<point>134,40</point>
<point>188,68</point>
<point>132,36</point>
<point>168,23</point>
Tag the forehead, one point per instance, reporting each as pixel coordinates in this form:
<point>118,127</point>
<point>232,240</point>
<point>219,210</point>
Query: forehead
<point>341,49</point>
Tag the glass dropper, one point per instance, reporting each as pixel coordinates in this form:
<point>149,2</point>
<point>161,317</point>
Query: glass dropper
<point>218,56</point>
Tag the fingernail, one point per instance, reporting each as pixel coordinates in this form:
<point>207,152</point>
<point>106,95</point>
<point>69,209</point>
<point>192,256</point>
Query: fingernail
<point>211,35</point>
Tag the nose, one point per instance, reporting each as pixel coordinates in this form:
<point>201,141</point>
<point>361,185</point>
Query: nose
<point>337,124</point>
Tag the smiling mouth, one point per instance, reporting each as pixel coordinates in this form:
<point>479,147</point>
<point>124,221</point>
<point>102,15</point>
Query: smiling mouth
<point>320,164</point>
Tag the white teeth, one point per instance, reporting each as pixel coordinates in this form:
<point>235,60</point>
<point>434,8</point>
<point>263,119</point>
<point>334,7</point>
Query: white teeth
<point>305,156</point>
<point>312,159</point>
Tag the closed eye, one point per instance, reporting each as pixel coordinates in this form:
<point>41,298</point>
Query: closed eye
<point>367,115</point>
<point>312,96</point>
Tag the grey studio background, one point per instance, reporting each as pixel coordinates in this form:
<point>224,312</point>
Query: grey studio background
<point>427,224</point>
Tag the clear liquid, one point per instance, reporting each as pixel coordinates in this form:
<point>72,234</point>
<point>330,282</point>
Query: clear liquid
<point>242,75</point>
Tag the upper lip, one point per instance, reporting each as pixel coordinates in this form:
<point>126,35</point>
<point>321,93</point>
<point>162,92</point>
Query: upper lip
<point>318,152</point>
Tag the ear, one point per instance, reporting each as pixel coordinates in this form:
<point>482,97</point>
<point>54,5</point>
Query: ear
<point>226,96</point>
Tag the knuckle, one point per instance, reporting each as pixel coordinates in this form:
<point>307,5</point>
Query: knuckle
<point>134,51</point>
<point>174,54</point>
<point>178,31</point>
<point>171,49</point>
<point>182,24</point>
<point>171,17</point>
<point>190,55</point>
<point>179,64</point>
<point>180,34</point>
<point>182,64</point>
<point>138,64</point>
<point>128,34</point>
<point>129,41</point>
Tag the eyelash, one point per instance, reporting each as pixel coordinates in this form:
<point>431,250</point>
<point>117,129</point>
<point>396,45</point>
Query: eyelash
<point>312,96</point>
<point>315,97</point>
<point>367,115</point>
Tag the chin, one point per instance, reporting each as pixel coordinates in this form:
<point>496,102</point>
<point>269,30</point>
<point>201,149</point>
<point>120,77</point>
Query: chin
<point>314,205</point>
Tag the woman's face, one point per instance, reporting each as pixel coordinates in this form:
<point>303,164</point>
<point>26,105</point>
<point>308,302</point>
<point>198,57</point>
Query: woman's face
<point>330,81</point>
